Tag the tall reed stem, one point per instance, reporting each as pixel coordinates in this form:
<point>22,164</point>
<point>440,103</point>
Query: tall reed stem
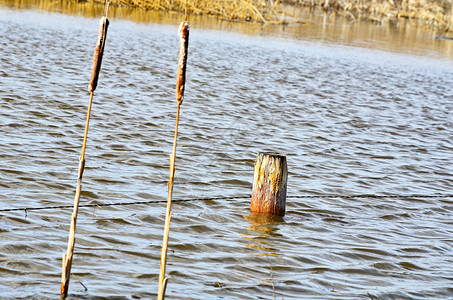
<point>67,257</point>
<point>180,86</point>
<point>97,60</point>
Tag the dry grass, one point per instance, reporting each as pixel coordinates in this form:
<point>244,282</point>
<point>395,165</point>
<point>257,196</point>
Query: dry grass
<point>231,10</point>
<point>437,14</point>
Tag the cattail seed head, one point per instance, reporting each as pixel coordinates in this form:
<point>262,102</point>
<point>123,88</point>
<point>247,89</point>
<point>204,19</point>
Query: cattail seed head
<point>98,53</point>
<point>182,62</point>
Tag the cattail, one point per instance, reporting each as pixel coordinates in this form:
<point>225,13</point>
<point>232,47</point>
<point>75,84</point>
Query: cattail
<point>97,60</point>
<point>180,83</point>
<point>183,46</point>
<point>98,53</point>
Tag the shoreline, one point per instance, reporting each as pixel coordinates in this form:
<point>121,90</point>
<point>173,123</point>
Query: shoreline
<point>436,15</point>
<point>285,13</point>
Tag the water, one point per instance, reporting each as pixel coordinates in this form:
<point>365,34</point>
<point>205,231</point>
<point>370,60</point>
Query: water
<point>358,109</point>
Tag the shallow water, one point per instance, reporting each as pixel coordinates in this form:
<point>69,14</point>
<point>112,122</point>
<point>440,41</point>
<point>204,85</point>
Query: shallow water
<point>363,112</point>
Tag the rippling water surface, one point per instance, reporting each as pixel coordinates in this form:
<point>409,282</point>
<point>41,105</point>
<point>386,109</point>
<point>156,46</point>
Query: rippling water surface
<point>355,114</point>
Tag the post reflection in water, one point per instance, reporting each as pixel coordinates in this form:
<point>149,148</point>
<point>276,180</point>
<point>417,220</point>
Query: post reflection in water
<point>266,227</point>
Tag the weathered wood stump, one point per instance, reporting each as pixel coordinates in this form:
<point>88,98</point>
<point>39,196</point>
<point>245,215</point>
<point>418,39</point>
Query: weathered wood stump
<point>269,184</point>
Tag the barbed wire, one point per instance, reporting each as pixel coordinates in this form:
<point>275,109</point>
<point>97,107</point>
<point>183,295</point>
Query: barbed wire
<point>25,209</point>
<point>374,196</point>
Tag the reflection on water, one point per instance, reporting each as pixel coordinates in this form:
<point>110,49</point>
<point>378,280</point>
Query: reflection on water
<point>265,226</point>
<point>399,35</point>
<point>351,120</point>
<point>263,223</point>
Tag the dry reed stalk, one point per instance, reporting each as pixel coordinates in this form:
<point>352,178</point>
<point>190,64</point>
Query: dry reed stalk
<point>180,85</point>
<point>97,59</point>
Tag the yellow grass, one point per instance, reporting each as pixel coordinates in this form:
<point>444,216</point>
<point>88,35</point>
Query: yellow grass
<point>437,14</point>
<point>232,10</point>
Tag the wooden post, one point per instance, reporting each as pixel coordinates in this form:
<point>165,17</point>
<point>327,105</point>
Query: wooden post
<point>269,184</point>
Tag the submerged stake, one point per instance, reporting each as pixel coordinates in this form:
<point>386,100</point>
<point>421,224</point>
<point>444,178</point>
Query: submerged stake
<point>97,60</point>
<point>269,184</point>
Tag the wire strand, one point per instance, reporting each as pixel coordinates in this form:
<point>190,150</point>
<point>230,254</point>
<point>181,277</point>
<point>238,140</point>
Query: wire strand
<point>329,196</point>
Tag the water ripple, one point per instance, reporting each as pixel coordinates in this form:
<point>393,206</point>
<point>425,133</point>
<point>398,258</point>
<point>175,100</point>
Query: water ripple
<point>351,121</point>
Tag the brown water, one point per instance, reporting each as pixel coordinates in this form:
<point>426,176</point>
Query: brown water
<point>358,108</point>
